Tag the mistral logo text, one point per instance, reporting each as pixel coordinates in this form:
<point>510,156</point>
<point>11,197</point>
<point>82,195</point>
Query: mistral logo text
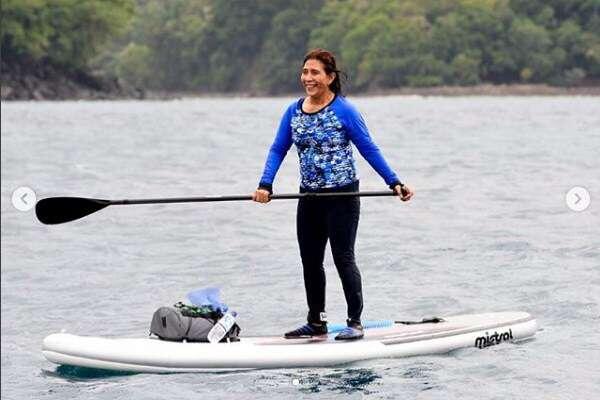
<point>495,338</point>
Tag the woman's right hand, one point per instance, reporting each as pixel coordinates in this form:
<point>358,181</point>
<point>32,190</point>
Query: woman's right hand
<point>261,196</point>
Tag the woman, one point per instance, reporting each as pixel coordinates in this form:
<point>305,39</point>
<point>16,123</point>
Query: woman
<point>322,126</point>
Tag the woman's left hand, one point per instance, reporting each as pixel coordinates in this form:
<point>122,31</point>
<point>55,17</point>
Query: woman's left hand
<point>404,192</point>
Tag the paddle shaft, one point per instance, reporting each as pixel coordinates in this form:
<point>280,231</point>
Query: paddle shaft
<point>248,197</point>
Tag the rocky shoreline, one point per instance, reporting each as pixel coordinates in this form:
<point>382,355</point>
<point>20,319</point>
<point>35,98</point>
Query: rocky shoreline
<point>438,91</point>
<point>591,89</point>
<point>41,80</point>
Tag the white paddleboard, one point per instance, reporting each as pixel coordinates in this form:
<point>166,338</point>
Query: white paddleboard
<point>398,340</point>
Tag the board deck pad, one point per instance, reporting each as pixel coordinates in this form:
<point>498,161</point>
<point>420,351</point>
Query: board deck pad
<point>379,334</point>
<point>398,340</point>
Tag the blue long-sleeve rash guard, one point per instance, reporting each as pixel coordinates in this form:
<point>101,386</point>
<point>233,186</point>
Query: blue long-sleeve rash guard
<point>323,140</point>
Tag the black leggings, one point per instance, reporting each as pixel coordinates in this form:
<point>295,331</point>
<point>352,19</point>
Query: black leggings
<point>336,220</point>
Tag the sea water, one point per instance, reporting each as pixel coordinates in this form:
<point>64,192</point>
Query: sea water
<point>488,230</point>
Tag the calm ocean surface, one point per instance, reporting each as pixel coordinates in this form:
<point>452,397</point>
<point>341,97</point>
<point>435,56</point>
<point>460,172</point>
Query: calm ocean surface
<point>488,230</point>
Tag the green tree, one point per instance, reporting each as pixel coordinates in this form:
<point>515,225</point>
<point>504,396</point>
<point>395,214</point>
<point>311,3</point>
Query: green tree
<point>380,43</point>
<point>465,69</point>
<point>170,39</point>
<point>334,20</point>
<point>234,40</point>
<point>239,45</point>
<point>531,47</point>
<point>24,29</point>
<point>66,32</point>
<point>134,65</point>
<point>478,30</point>
<point>284,47</point>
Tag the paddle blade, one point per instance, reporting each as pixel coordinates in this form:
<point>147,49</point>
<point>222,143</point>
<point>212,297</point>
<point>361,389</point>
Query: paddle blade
<point>57,210</point>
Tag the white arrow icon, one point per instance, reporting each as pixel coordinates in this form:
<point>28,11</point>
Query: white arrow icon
<point>19,197</point>
<point>578,198</point>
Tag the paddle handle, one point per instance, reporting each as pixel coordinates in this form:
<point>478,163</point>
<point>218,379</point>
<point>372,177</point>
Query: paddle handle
<point>249,197</point>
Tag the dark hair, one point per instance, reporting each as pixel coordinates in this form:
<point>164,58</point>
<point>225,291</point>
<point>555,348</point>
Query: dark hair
<point>328,60</point>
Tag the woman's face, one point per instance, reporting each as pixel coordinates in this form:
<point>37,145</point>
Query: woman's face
<point>314,78</point>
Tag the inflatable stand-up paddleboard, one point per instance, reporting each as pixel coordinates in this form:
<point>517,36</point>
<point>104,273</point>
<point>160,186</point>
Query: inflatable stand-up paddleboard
<point>384,339</point>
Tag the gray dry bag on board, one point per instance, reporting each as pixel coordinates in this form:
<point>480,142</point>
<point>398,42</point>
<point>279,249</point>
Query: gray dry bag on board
<point>169,323</point>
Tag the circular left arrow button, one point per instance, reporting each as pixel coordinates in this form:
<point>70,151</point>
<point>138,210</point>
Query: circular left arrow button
<point>23,198</point>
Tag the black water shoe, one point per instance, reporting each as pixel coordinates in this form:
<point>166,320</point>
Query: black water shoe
<point>307,331</point>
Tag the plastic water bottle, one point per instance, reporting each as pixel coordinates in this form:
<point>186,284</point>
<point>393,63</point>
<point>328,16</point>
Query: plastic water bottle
<point>221,328</point>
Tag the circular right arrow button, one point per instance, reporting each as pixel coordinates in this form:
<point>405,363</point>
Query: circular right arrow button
<point>578,198</point>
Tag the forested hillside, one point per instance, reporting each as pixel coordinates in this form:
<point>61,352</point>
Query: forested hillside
<point>256,46</point>
<point>48,47</point>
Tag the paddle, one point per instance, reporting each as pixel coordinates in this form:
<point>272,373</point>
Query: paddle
<point>57,210</point>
